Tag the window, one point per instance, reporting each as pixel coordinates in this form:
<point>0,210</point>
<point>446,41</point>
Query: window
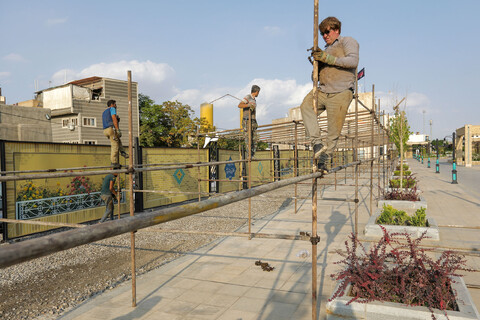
<point>65,123</point>
<point>68,122</point>
<point>89,141</point>
<point>89,122</point>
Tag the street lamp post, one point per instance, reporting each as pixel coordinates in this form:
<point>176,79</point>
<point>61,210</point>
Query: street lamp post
<point>428,154</point>
<point>454,161</point>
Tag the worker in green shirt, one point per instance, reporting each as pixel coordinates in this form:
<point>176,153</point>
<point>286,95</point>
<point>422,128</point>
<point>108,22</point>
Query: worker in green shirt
<point>107,194</point>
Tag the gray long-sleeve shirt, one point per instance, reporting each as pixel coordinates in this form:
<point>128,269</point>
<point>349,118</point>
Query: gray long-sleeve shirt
<point>341,76</point>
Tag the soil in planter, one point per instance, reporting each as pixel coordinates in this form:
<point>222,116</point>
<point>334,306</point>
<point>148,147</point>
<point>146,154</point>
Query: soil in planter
<point>451,306</point>
<point>406,194</point>
<point>392,216</point>
<point>398,269</point>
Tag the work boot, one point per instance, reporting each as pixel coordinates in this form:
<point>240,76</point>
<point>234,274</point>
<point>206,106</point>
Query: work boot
<point>124,154</point>
<point>322,163</point>
<point>318,150</point>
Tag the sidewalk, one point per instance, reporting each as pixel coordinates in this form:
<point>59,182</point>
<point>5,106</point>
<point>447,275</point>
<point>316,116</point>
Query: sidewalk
<point>221,281</point>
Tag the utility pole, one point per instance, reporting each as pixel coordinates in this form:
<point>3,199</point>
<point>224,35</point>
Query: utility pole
<point>423,111</point>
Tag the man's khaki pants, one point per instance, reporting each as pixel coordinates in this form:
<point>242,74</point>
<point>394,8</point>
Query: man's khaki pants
<point>116,144</point>
<point>336,105</point>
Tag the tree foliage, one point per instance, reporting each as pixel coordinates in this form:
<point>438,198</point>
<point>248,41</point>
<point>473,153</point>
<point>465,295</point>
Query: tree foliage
<point>399,130</point>
<point>166,125</point>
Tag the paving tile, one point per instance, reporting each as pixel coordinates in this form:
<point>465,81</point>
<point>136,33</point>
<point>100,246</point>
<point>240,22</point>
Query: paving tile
<point>278,310</point>
<point>231,314</point>
<point>206,312</point>
<point>233,290</point>
<point>224,283</point>
<point>249,304</point>
<point>180,307</point>
<point>221,300</point>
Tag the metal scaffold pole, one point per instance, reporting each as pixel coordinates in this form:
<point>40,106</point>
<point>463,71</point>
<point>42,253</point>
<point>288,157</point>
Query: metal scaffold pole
<point>130,183</point>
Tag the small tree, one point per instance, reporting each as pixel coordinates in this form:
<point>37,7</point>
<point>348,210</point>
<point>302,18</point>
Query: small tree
<point>399,133</point>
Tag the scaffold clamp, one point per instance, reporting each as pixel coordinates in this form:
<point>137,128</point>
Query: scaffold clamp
<point>315,240</point>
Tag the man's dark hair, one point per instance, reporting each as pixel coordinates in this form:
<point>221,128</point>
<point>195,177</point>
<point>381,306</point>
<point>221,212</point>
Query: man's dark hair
<point>111,102</point>
<point>255,88</point>
<point>332,23</point>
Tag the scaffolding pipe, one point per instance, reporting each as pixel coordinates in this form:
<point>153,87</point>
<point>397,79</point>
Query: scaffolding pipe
<point>39,247</point>
<point>130,182</point>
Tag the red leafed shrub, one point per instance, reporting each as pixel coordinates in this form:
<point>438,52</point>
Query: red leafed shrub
<point>402,194</point>
<point>399,271</point>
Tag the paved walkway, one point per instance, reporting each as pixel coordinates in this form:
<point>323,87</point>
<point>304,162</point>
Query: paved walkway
<point>221,281</point>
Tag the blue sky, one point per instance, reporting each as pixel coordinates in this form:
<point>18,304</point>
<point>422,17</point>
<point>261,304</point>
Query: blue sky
<point>196,51</point>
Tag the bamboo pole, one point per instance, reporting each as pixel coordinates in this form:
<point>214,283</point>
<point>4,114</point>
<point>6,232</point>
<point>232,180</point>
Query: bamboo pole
<point>130,180</point>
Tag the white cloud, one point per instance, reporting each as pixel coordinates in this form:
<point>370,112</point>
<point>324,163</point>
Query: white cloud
<point>4,74</point>
<point>154,79</point>
<point>415,102</point>
<point>157,81</point>
<point>276,97</point>
<point>56,21</point>
<point>14,57</point>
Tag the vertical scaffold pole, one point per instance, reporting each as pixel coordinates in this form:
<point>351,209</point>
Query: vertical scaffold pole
<point>382,143</point>
<point>130,180</point>
<point>387,154</point>
<point>314,238</point>
<point>198,169</point>
<point>371,148</point>
<point>356,154</point>
<point>250,145</point>
<point>295,155</point>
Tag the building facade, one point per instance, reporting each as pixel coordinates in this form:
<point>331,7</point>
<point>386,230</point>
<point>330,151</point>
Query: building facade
<point>77,107</point>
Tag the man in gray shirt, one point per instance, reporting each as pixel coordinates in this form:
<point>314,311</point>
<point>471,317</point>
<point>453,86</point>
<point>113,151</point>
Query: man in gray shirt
<point>337,71</point>
<point>249,106</point>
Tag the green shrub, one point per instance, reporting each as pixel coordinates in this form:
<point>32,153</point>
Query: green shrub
<point>405,167</point>
<point>407,183</point>
<point>392,216</point>
<point>405,173</point>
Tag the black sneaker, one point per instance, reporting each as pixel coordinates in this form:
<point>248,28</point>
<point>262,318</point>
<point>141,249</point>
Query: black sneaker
<point>318,150</point>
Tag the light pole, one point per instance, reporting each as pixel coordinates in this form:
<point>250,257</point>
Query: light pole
<point>428,152</point>
<point>454,159</point>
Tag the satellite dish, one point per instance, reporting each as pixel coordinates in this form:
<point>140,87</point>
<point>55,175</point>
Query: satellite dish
<point>71,126</point>
<point>48,116</point>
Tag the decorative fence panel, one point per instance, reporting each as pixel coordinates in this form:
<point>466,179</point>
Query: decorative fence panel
<point>33,209</point>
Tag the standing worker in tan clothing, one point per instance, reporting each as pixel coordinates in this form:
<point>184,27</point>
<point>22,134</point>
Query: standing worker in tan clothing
<point>112,131</point>
<point>249,106</point>
<point>337,72</point>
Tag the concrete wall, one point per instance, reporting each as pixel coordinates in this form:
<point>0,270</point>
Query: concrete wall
<point>25,124</point>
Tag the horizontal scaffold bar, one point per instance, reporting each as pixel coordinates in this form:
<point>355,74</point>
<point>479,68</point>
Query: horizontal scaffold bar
<point>39,247</point>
